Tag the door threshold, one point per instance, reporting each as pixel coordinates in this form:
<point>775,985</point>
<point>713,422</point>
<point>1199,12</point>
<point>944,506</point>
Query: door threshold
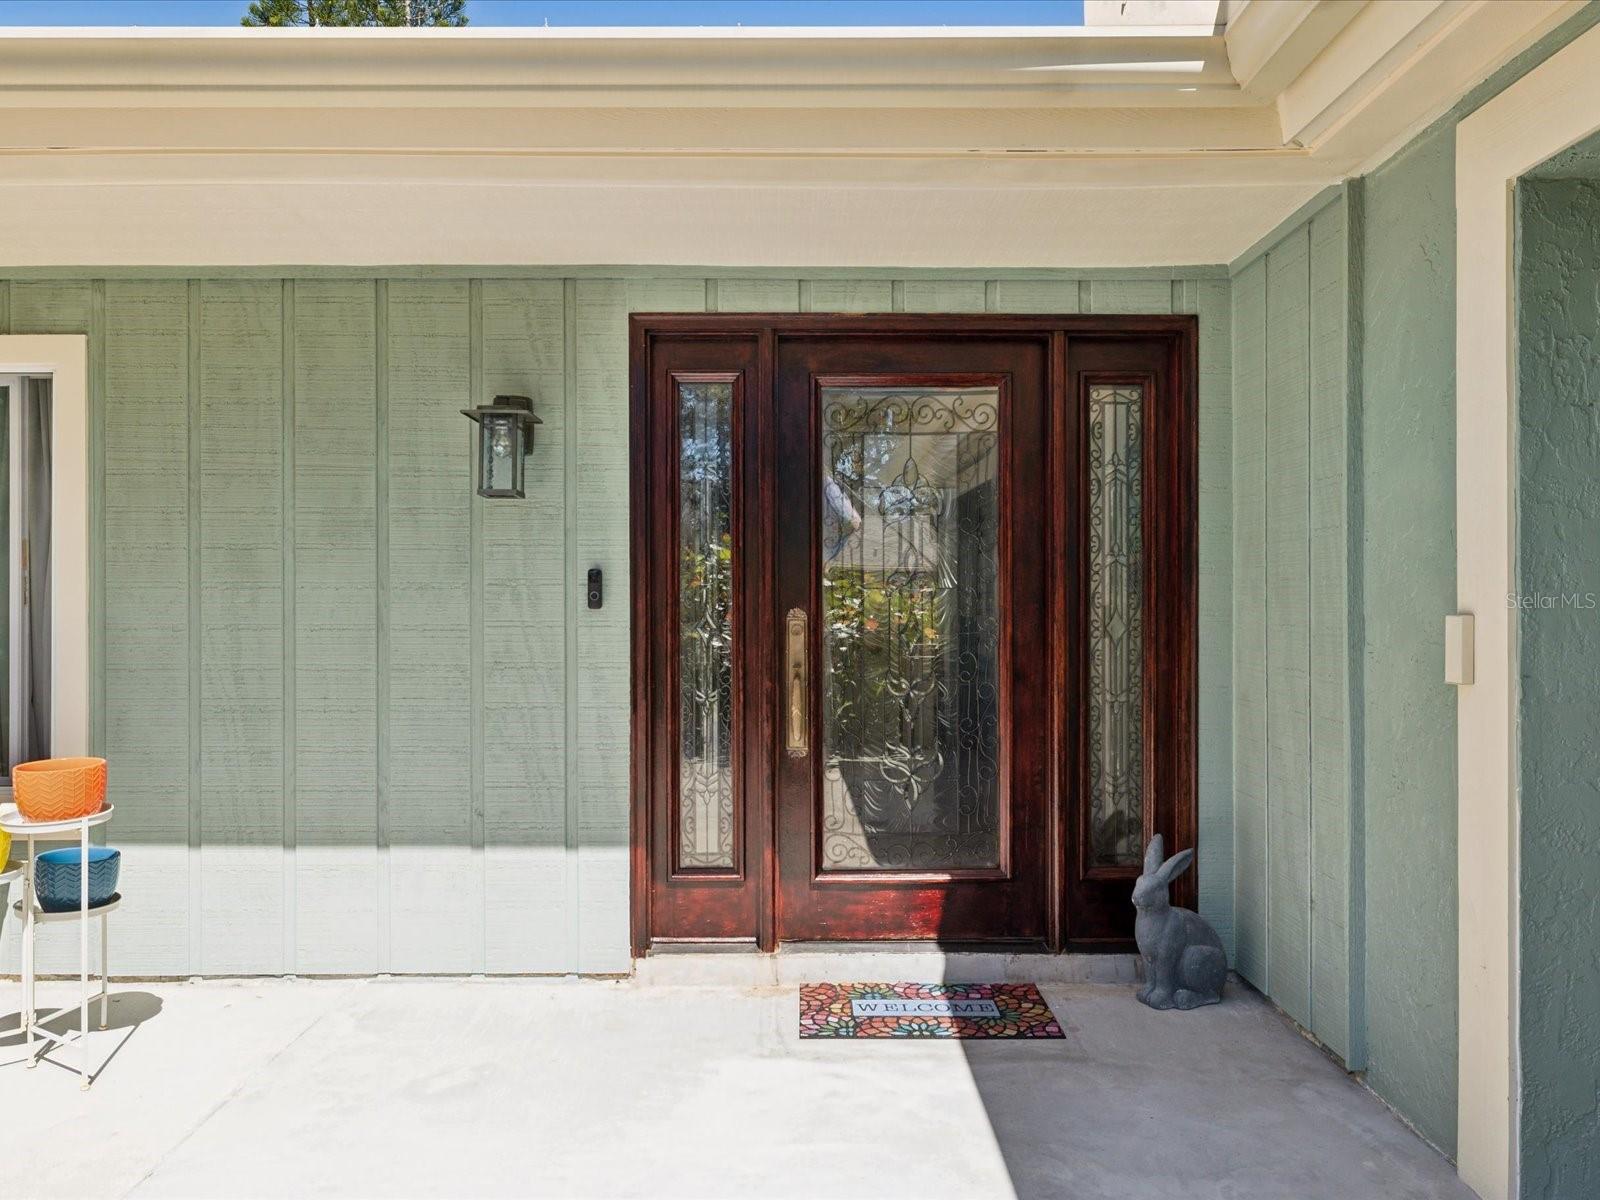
<point>719,946</point>
<point>686,965</point>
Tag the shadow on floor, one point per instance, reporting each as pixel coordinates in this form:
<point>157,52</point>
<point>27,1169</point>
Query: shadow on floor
<point>1223,1101</point>
<point>125,1013</point>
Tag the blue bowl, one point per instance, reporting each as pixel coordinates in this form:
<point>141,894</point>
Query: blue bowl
<point>60,887</point>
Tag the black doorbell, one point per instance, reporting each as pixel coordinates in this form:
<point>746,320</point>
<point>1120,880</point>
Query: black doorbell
<point>594,587</point>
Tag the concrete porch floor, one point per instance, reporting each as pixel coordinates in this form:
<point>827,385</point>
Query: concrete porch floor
<point>458,1087</point>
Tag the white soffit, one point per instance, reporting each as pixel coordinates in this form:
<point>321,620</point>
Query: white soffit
<point>1193,141</point>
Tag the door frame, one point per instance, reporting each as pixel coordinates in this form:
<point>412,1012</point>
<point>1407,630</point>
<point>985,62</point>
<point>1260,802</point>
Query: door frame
<point>1175,548</point>
<point>1552,107</point>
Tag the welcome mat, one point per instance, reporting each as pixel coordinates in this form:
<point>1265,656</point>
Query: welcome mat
<point>925,1010</point>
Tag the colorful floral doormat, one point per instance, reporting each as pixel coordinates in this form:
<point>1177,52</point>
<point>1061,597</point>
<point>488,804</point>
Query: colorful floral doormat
<point>925,1010</point>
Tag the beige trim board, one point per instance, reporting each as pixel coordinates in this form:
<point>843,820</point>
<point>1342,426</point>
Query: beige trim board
<point>362,224</point>
<point>620,67</point>
<point>65,358</point>
<point>1549,109</point>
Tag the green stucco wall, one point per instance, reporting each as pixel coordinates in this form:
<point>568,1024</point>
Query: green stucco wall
<point>1296,577</point>
<point>1558,533</point>
<point>359,720</point>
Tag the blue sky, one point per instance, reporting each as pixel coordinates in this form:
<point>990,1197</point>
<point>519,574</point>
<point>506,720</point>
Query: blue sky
<point>590,12</point>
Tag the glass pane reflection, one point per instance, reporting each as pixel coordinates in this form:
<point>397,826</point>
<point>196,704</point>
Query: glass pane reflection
<point>911,629</point>
<point>705,625</point>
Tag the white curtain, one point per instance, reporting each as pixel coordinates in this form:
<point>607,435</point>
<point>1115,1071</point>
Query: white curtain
<point>33,666</point>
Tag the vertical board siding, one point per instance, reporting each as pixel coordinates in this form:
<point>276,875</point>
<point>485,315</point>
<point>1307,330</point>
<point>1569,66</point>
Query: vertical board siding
<point>50,307</point>
<point>602,692</point>
<point>524,670</point>
<point>1216,863</point>
<point>943,295</point>
<point>360,720</point>
<point>1038,295</point>
<point>1129,296</point>
<point>241,625</point>
<point>1297,867</point>
<point>1251,904</point>
<point>433,904</point>
<point>335,627</point>
<point>1289,626</point>
<point>146,562</point>
<point>848,295</point>
<point>758,295</point>
<point>1331,844</point>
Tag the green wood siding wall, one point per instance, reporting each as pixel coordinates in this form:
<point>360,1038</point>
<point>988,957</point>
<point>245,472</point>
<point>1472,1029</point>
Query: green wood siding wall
<point>360,720</point>
<point>1409,556</point>
<point>1406,249</point>
<point>1296,559</point>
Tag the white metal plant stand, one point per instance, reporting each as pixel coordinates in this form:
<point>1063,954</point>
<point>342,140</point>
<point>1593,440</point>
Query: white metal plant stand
<point>20,828</point>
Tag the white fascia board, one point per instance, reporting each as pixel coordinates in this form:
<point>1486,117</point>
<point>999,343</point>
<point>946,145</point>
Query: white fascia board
<point>1400,66</point>
<point>624,68</point>
<point>1269,45</point>
<point>1386,39</point>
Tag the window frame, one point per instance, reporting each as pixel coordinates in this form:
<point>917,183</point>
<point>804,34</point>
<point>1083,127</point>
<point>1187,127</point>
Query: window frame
<point>65,359</point>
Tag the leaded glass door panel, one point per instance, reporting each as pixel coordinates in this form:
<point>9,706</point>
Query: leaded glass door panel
<point>910,628</point>
<point>911,794</point>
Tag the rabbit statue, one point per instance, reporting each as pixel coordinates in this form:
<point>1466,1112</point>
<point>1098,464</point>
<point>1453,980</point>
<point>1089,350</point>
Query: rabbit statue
<point>1185,965</point>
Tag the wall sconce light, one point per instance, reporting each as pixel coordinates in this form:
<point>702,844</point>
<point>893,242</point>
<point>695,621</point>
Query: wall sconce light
<point>505,439</point>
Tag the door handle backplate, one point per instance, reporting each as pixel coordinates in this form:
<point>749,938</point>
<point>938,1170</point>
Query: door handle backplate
<point>796,685</point>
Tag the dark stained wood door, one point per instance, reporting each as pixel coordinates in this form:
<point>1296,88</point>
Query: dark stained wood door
<point>914,625</point>
<point>909,582</point>
<point>1125,503</point>
<point>699,678</point>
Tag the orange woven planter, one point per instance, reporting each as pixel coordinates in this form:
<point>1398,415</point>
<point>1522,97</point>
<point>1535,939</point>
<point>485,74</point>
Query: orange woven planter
<point>59,789</point>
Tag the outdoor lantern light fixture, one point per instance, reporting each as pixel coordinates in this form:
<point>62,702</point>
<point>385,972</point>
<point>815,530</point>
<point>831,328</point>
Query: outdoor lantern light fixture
<point>505,439</point>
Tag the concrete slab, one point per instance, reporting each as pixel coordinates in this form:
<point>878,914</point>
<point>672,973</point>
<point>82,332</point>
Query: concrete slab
<point>454,1087</point>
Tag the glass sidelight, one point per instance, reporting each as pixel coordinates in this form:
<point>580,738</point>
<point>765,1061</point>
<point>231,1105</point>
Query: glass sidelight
<point>910,639</point>
<point>1116,624</point>
<point>705,626</point>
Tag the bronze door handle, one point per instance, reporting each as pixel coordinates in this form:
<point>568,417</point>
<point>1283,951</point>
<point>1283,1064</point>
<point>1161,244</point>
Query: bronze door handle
<point>797,684</point>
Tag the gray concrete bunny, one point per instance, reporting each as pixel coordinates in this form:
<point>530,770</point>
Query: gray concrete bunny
<point>1185,965</point>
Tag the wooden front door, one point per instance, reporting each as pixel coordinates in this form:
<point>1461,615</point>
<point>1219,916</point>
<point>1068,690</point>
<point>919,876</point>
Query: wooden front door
<point>909,565</point>
<point>913,606</point>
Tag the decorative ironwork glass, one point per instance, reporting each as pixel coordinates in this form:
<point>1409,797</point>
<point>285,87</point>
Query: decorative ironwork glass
<point>705,626</point>
<point>1116,625</point>
<point>910,629</point>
